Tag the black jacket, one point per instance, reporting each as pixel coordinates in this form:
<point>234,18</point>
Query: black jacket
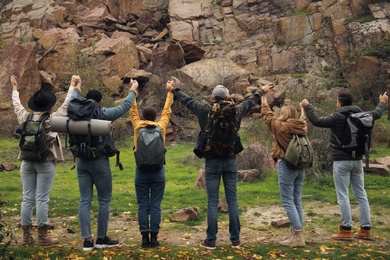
<point>201,110</point>
<point>337,122</point>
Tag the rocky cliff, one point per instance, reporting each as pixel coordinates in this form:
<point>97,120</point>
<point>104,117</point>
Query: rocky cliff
<point>303,47</point>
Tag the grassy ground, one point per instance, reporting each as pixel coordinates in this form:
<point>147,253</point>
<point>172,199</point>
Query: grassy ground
<point>259,205</point>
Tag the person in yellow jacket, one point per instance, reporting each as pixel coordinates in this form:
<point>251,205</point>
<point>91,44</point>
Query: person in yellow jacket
<point>149,151</point>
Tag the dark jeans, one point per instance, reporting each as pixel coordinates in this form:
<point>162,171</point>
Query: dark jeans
<point>149,187</point>
<point>214,170</point>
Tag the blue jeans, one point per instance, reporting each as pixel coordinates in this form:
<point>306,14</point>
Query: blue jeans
<point>96,172</point>
<point>149,188</point>
<point>37,182</point>
<point>290,187</point>
<point>214,170</point>
<point>345,173</point>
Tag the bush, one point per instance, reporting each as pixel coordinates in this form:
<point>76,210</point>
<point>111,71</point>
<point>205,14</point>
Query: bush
<point>5,232</point>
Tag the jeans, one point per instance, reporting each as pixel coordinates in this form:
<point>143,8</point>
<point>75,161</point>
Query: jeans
<point>37,182</point>
<point>290,187</point>
<point>345,173</point>
<point>149,188</point>
<point>214,170</point>
<point>96,172</point>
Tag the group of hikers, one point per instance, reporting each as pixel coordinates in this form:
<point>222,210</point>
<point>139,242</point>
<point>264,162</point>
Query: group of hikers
<point>218,143</point>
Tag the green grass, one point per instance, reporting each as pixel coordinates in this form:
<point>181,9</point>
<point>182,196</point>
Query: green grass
<point>181,171</point>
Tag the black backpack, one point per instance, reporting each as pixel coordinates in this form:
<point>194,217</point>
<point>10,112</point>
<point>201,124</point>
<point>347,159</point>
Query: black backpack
<point>33,144</point>
<point>357,135</point>
<point>88,146</point>
<point>150,154</point>
<point>222,130</point>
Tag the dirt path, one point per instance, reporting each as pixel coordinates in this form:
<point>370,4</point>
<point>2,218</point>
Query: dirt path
<point>256,228</point>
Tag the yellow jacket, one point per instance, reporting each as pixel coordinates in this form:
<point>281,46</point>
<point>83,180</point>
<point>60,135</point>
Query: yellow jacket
<point>163,123</point>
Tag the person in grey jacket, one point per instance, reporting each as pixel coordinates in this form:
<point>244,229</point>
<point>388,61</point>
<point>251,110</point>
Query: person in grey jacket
<point>97,172</point>
<point>217,167</point>
<point>347,167</point>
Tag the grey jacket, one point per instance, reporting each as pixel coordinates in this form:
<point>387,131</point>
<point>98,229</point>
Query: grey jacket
<point>337,122</point>
<point>201,111</point>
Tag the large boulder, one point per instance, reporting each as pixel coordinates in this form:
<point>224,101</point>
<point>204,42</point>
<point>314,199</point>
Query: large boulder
<point>211,72</point>
<point>21,61</point>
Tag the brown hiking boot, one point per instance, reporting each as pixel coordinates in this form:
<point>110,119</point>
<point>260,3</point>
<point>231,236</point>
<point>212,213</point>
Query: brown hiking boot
<point>27,235</point>
<point>343,234</point>
<point>363,234</point>
<point>44,238</point>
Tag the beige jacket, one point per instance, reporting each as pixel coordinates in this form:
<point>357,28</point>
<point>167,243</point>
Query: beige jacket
<point>52,137</point>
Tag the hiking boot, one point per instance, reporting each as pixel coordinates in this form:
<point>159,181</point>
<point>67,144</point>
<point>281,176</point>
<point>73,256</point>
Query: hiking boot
<point>206,245</point>
<point>44,238</point>
<point>27,235</point>
<point>236,244</point>
<point>364,233</point>
<point>105,242</point>
<point>296,239</point>
<point>145,240</point>
<point>88,245</point>
<point>153,239</point>
<point>345,233</point>
<point>287,239</point>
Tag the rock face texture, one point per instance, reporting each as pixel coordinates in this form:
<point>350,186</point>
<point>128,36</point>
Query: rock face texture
<point>297,45</point>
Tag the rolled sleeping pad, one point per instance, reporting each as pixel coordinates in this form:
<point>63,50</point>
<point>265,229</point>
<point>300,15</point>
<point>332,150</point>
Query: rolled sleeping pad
<point>80,127</point>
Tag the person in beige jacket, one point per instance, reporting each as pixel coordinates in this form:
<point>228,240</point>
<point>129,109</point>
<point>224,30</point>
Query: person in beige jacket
<point>290,179</point>
<point>38,176</point>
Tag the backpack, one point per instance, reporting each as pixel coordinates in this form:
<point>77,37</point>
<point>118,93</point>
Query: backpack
<point>88,146</point>
<point>33,144</point>
<point>299,153</point>
<point>357,137</point>
<point>222,130</point>
<point>150,154</point>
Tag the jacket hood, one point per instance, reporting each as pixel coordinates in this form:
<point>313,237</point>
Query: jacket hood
<point>296,126</point>
<point>348,109</point>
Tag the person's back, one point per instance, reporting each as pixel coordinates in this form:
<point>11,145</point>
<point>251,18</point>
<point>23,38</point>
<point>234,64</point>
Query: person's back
<point>97,172</point>
<point>347,166</point>
<point>217,166</point>
<point>150,180</point>
<point>38,175</point>
<point>290,178</point>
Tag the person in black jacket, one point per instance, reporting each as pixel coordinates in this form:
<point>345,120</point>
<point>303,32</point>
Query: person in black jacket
<point>217,166</point>
<point>347,167</point>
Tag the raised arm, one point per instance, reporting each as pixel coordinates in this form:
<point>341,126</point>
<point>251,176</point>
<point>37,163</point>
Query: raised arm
<point>134,114</point>
<point>266,113</point>
<point>380,108</point>
<point>256,99</point>
<point>324,121</point>
<point>73,91</point>
<point>114,113</point>
<point>20,111</point>
<point>166,113</point>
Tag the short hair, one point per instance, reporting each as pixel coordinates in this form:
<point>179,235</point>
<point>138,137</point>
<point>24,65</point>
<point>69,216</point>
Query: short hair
<point>345,99</point>
<point>149,113</point>
<point>287,112</point>
<point>95,95</point>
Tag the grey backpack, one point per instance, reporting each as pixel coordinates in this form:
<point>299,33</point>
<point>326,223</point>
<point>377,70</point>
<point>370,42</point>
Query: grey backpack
<point>150,154</point>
